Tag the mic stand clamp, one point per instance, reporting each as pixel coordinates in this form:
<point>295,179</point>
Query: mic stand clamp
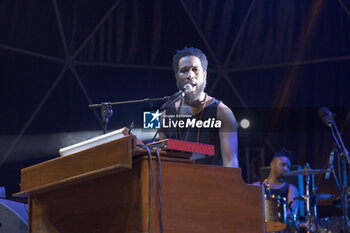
<point>168,103</point>
<point>106,113</point>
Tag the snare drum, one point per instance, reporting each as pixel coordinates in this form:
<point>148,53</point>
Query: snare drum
<point>275,213</point>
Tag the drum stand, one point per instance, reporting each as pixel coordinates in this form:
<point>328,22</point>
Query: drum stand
<point>310,200</point>
<point>311,208</point>
<point>310,194</point>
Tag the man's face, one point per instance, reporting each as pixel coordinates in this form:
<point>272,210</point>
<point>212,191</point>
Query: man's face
<point>191,71</point>
<point>279,166</point>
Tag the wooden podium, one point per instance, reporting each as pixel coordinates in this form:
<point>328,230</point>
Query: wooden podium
<point>106,189</point>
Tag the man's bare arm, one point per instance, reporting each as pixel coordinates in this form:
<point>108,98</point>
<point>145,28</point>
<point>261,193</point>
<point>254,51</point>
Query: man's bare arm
<point>228,136</point>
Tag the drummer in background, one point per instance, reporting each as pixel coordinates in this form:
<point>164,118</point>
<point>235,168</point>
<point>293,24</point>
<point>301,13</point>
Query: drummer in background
<point>280,164</point>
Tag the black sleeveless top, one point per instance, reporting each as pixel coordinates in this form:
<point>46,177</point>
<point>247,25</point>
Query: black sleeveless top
<point>201,135</point>
<point>283,191</point>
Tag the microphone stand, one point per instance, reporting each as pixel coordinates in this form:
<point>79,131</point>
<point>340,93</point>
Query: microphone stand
<point>178,95</point>
<point>337,181</point>
<point>107,111</point>
<point>167,104</point>
<point>344,154</point>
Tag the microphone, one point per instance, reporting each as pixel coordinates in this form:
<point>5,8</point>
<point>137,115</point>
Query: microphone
<point>326,116</point>
<point>330,164</point>
<point>185,90</point>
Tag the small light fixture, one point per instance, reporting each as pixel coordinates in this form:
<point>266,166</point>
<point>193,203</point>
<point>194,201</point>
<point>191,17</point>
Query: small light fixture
<point>244,123</point>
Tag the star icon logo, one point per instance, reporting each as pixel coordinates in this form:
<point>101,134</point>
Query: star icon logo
<point>151,119</point>
<point>155,115</point>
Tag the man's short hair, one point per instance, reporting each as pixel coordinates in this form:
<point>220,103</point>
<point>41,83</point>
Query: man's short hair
<point>189,52</point>
<point>284,153</point>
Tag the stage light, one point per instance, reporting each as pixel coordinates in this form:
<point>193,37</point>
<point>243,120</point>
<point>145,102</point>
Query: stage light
<point>244,123</point>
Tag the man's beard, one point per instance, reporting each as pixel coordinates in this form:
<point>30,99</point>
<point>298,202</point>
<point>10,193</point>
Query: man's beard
<point>191,97</point>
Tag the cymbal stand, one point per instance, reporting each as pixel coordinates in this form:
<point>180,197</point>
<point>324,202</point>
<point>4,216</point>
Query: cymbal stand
<point>345,195</point>
<point>311,210</point>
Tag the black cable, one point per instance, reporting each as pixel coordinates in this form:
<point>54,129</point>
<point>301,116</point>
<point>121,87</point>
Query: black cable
<point>154,137</point>
<point>150,187</point>
<point>159,191</point>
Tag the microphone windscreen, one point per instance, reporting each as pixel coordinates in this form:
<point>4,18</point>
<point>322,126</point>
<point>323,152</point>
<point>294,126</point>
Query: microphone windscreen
<point>326,115</point>
<point>187,88</point>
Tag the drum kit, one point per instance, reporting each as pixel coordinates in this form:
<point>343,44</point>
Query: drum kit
<point>276,207</point>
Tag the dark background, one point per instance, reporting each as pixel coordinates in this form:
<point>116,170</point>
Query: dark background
<point>273,62</point>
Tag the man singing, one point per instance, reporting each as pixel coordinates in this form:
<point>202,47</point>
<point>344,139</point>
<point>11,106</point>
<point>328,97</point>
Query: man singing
<point>190,67</point>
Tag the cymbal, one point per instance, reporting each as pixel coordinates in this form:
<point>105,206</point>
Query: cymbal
<point>324,196</point>
<point>306,171</point>
<point>319,197</point>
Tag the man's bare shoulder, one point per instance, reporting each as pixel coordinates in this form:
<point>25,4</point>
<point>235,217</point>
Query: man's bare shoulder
<point>226,115</point>
<point>222,107</point>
